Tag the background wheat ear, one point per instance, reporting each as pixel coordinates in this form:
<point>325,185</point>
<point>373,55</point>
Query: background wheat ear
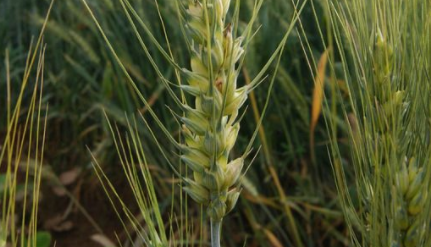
<point>385,61</point>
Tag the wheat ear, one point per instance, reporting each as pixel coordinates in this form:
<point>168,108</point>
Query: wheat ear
<point>408,185</point>
<point>210,128</point>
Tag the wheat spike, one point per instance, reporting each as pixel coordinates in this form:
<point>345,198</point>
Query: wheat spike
<point>209,127</point>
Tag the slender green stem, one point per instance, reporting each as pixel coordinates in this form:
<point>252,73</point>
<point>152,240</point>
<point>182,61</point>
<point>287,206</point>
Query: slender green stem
<point>215,233</point>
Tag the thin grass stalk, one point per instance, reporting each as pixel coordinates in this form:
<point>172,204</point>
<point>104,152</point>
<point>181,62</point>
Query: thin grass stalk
<point>10,227</point>
<point>17,135</point>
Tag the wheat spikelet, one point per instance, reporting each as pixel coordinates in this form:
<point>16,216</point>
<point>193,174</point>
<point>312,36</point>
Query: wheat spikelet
<point>410,197</point>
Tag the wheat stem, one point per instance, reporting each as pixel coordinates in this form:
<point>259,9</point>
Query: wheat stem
<point>215,233</point>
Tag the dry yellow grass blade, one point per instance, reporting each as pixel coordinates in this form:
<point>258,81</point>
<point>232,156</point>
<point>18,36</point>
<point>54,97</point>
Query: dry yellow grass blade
<point>316,107</point>
<point>272,238</point>
<point>266,150</point>
<point>258,199</point>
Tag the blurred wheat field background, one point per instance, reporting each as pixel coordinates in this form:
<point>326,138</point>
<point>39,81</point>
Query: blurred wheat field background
<point>340,158</point>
